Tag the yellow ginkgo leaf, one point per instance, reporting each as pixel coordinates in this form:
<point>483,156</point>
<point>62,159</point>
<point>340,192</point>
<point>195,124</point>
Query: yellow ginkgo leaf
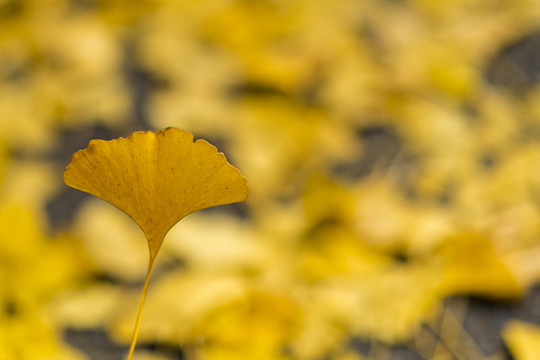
<point>156,179</point>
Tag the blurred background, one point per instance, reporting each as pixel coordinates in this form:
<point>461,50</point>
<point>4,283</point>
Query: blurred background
<point>392,148</point>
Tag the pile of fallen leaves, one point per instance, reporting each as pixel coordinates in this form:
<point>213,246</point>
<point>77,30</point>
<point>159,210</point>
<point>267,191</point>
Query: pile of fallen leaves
<point>392,151</point>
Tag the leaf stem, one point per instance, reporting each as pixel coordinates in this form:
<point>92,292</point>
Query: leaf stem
<point>141,304</point>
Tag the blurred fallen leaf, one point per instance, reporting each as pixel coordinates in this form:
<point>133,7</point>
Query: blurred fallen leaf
<point>170,320</point>
<point>391,304</point>
<point>522,339</point>
<point>106,232</point>
<point>218,241</point>
<point>27,336</point>
<point>33,267</point>
<point>472,266</point>
<point>88,308</point>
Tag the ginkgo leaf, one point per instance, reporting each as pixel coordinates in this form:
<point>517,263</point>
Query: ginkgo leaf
<point>157,179</point>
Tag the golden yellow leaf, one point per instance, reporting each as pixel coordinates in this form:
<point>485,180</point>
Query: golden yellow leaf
<point>156,179</point>
<point>472,265</point>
